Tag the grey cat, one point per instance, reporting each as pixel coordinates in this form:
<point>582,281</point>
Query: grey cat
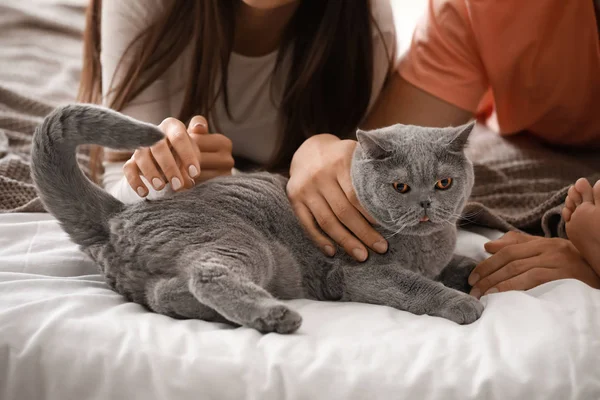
<point>231,249</point>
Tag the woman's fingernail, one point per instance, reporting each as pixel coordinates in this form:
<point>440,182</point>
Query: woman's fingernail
<point>492,291</point>
<point>330,251</point>
<point>473,279</point>
<point>193,171</point>
<point>141,191</point>
<point>359,254</point>
<point>199,124</point>
<point>157,183</point>
<point>381,246</point>
<point>176,183</point>
<point>475,293</point>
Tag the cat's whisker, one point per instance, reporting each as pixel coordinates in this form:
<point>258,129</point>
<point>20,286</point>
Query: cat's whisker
<point>471,214</point>
<point>404,224</point>
<point>458,220</point>
<point>446,216</point>
<point>463,223</point>
<point>449,222</point>
<point>401,218</point>
<point>393,221</point>
<point>449,214</point>
<point>468,218</point>
<point>394,234</point>
<point>477,212</point>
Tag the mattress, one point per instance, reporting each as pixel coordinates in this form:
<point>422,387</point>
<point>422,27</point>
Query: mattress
<point>65,335</point>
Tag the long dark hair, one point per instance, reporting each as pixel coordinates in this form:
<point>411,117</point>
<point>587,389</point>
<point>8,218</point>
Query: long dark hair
<point>328,87</point>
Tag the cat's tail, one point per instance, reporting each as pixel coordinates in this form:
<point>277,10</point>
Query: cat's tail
<point>82,208</point>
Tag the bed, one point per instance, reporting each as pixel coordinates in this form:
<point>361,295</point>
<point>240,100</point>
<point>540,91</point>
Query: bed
<point>65,335</point>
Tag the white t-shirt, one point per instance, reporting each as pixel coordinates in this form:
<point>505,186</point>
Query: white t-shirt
<point>255,93</point>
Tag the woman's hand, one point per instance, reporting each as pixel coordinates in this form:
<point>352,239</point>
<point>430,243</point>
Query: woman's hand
<point>184,157</point>
<point>521,262</point>
<point>321,193</point>
<point>215,150</point>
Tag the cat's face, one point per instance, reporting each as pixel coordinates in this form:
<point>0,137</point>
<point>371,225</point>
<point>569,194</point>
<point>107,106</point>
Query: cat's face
<point>413,180</point>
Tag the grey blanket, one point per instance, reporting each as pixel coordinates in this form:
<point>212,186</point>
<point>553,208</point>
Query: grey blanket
<point>18,118</point>
<point>522,184</point>
<point>40,58</point>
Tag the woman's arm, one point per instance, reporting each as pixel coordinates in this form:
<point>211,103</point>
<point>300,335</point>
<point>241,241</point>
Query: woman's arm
<point>188,154</point>
<point>121,23</point>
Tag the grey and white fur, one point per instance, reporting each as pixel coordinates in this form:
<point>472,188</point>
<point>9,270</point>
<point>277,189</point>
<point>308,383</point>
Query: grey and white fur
<point>231,249</point>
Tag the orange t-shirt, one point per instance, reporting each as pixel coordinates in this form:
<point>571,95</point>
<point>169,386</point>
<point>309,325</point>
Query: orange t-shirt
<point>535,62</point>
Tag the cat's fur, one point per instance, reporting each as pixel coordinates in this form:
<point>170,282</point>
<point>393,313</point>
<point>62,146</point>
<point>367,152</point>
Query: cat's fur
<point>231,248</point>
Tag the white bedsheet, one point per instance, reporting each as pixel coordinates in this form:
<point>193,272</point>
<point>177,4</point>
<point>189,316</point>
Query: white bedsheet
<point>64,335</point>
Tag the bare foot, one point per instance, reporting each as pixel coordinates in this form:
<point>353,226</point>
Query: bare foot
<point>582,214</point>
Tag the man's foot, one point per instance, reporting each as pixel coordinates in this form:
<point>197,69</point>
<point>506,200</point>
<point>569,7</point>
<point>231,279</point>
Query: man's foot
<point>582,214</point>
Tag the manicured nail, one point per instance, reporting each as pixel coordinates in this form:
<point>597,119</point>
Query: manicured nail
<point>381,246</point>
<point>492,291</point>
<point>157,183</point>
<point>141,191</point>
<point>330,251</point>
<point>475,293</point>
<point>193,171</point>
<point>176,183</point>
<point>359,254</point>
<point>198,124</point>
<point>473,279</point>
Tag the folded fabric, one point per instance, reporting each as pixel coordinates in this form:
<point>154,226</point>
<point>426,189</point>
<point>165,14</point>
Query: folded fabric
<point>522,184</point>
<point>19,115</point>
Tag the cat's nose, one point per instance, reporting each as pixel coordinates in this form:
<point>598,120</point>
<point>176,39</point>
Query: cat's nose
<point>425,204</point>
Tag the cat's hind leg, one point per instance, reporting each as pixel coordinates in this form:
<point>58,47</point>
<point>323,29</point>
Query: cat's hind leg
<point>227,280</point>
<point>171,296</point>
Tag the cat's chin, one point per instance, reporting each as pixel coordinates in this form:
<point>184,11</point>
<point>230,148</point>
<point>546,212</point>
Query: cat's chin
<point>425,228</point>
<point>418,229</point>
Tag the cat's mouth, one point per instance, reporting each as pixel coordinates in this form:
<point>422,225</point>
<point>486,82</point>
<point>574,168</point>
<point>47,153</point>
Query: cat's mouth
<point>413,222</point>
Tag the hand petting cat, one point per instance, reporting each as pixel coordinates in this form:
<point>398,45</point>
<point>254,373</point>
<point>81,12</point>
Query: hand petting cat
<point>321,193</point>
<point>185,157</point>
<point>521,262</point>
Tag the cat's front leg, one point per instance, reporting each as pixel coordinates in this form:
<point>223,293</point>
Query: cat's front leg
<point>394,286</point>
<point>456,274</point>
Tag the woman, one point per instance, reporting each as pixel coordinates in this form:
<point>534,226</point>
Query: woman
<point>461,53</point>
<point>268,74</point>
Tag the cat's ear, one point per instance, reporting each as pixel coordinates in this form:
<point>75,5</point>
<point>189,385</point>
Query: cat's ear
<point>461,137</point>
<point>373,145</point>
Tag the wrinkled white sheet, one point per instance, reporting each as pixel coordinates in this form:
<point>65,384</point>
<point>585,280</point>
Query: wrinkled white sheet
<point>65,335</point>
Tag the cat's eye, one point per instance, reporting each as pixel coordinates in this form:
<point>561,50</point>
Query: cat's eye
<point>401,187</point>
<point>443,184</point>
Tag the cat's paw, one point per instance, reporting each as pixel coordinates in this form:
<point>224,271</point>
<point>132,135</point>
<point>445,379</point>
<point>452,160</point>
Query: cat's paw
<point>277,318</point>
<point>456,274</point>
<point>462,309</point>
